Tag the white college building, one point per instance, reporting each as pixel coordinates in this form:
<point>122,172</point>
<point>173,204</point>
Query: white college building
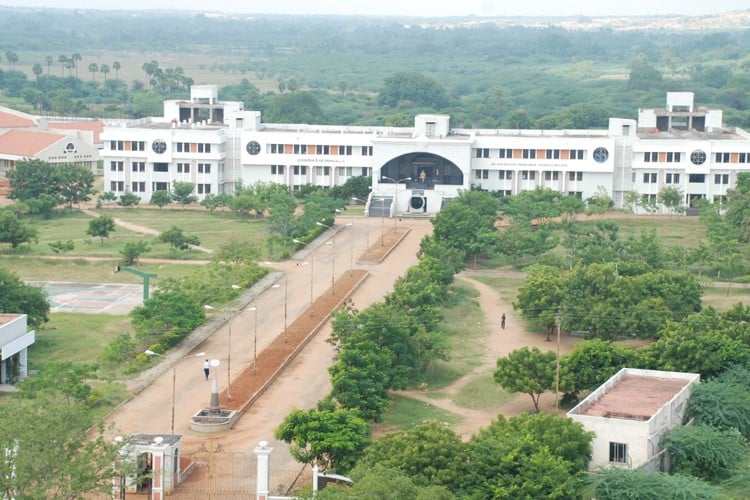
<point>630,413</point>
<point>218,145</point>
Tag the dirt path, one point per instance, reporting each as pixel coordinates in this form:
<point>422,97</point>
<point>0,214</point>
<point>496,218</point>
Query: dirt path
<point>496,344</point>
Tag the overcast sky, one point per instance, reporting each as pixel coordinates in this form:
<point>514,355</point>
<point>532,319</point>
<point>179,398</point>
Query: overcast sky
<point>414,7</point>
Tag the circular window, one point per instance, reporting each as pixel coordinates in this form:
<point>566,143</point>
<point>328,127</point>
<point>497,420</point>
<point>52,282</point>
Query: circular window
<point>70,146</point>
<point>698,157</point>
<point>601,155</point>
<point>417,202</point>
<point>159,146</point>
<point>253,147</point>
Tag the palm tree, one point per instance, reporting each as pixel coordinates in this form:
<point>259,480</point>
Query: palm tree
<point>104,70</point>
<point>116,66</point>
<point>12,59</point>
<point>37,70</point>
<point>75,58</point>
<point>62,59</point>
<point>93,67</point>
<point>48,61</point>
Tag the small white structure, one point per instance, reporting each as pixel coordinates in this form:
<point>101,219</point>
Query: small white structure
<point>158,465</point>
<point>14,343</point>
<point>630,413</point>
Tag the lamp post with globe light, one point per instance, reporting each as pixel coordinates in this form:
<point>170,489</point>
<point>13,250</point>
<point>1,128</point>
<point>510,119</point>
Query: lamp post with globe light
<point>312,270</point>
<point>149,352</point>
<point>234,313</point>
<point>395,196</point>
<point>333,256</point>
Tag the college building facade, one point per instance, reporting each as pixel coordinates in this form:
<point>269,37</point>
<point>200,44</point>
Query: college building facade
<point>218,146</point>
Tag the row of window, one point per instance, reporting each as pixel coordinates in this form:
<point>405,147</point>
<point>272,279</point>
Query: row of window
<point>140,187</point>
<point>140,166</point>
<point>193,147</point>
<point>530,154</point>
<point>671,178</point>
<point>320,171</point>
<point>318,149</point>
<point>697,157</point>
<point>732,157</point>
<point>661,157</point>
<point>127,145</point>
<point>552,175</point>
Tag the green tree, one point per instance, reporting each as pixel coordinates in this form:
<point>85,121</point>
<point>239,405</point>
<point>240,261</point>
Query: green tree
<point>643,76</point>
<point>722,403</point>
<point>104,70</point>
<point>705,452</point>
<point>177,238</point>
<point>16,297</point>
<point>161,198</point>
<point>128,200</point>
<point>382,482</point>
<point>14,231</point>
<point>617,483</point>
<point>238,251</point>
<point>331,438</point>
<point>182,193</point>
<point>527,370</point>
<point>593,362</point>
<point>672,199</point>
<point>295,107</point>
<point>166,318</point>
<point>429,454</point>
<point>37,70</point>
<point>101,227</point>
<point>93,69</point>
<point>132,251</point>
<point>419,89</point>
<point>540,297</point>
<point>213,201</point>
<point>117,66</point>
<point>32,178</point>
<point>75,184</point>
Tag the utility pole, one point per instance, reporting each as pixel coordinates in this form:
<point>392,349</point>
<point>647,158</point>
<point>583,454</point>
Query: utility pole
<point>558,321</point>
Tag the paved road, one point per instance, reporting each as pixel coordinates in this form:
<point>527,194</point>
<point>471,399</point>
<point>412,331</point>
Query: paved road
<point>305,382</point>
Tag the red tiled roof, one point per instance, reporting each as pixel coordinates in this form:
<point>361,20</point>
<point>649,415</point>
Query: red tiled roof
<point>12,120</point>
<point>27,143</point>
<point>96,127</point>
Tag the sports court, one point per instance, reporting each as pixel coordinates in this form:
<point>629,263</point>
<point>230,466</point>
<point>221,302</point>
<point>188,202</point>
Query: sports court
<point>95,298</point>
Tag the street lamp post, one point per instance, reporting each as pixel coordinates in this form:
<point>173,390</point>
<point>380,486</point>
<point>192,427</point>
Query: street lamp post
<point>149,352</point>
<point>312,271</point>
<point>255,339</point>
<point>234,312</point>
<point>333,256</point>
<point>395,196</point>
<point>354,200</point>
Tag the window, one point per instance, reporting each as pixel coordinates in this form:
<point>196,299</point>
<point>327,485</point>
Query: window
<point>117,186</point>
<point>506,153</point>
<point>204,168</point>
<point>576,154</point>
<point>697,157</point>
<point>649,178</point>
<point>575,176</point>
<point>577,194</point>
<point>138,166</point>
<point>159,146</point>
<point>365,171</point>
<point>697,178</point>
<point>722,157</point>
<point>366,150</point>
<point>159,186</point>
<point>116,145</point>
<point>618,453</point>
<point>116,166</point>
<point>277,169</point>
<point>721,178</point>
<point>650,157</point>
<point>551,176</point>
<point>528,175</point>
<point>299,169</point>
<point>183,147</point>
<point>529,154</point>
<point>183,168</point>
<point>673,157</point>
<point>204,148</point>
<point>672,178</point>
<point>161,167</point>
<point>204,188</point>
<point>481,174</point>
<point>505,174</point>
<point>601,155</point>
<point>482,153</point>
<point>322,171</point>
<point>138,187</point>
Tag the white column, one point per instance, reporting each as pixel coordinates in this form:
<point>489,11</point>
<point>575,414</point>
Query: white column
<point>263,453</point>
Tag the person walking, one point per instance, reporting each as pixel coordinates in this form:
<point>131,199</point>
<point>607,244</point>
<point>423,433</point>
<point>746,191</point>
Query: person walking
<point>206,368</point>
<point>502,321</point>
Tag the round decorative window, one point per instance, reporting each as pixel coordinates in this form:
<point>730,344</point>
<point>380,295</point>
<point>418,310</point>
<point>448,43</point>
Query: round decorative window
<point>70,146</point>
<point>601,155</point>
<point>698,157</point>
<point>159,146</point>
<point>253,147</point>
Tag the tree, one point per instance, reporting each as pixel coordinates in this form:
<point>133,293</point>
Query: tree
<point>600,203</point>
<point>342,87</point>
<point>617,483</point>
<point>643,76</point>
<point>13,230</point>
<point>382,482</point>
<point>722,403</point>
<point>101,227</point>
<point>132,251</point>
<point>540,297</point>
<point>74,60</point>
<point>237,251</point>
<point>161,198</point>
<point>104,70</point>
<point>49,61</point>
<point>292,85</point>
<point>672,199</point>
<point>429,454</point>
<point>295,107</point>
<point>12,59</point>
<point>527,370</point>
<point>182,193</point>
<point>116,66</point>
<point>419,89</point>
<point>16,297</point>
<point>593,362</point>
<point>333,438</point>
<point>128,200</point>
<point>32,178</point>
<point>75,184</point>
<point>166,318</point>
<point>37,70</point>
<point>213,201</point>
<point>177,239</point>
<point>94,69</point>
<point>705,452</point>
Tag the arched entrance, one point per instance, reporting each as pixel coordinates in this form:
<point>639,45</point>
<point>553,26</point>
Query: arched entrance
<point>425,170</point>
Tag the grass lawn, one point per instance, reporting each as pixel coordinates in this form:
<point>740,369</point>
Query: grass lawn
<point>482,393</point>
<point>405,413</point>
<point>723,298</point>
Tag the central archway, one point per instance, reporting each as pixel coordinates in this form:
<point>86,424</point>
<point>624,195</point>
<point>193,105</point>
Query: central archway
<point>425,170</point>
